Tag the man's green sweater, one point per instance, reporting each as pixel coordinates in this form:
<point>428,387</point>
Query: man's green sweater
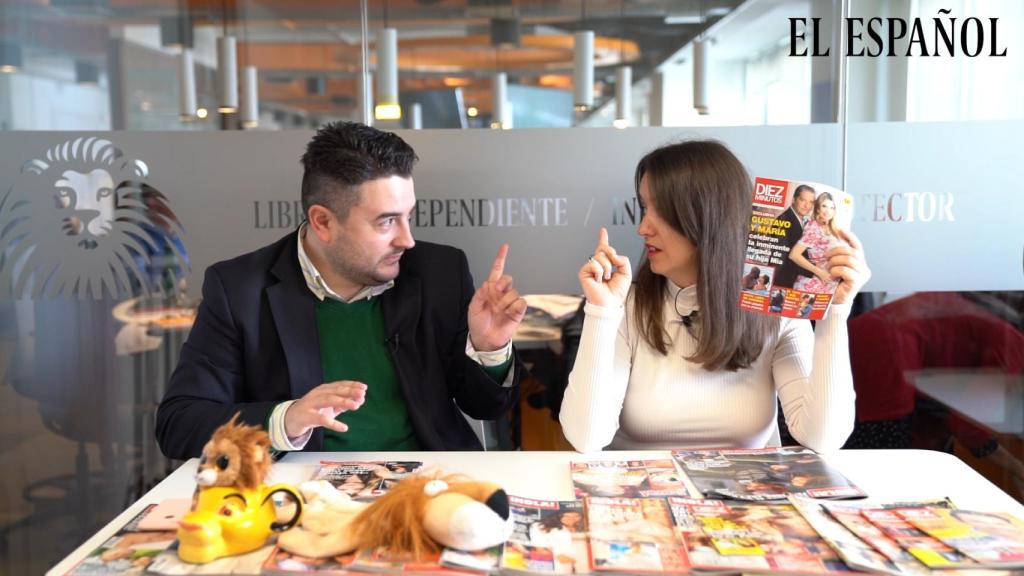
<point>353,347</point>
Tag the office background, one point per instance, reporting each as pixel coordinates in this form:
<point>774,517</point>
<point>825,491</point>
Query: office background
<point>512,149</point>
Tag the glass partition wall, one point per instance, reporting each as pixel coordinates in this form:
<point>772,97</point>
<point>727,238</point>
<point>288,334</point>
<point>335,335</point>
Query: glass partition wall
<point>534,109</point>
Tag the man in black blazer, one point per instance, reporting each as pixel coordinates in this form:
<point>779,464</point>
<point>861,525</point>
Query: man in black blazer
<point>797,214</point>
<point>273,321</point>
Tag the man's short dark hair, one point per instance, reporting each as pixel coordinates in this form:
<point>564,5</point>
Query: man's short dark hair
<point>344,155</point>
<point>800,190</point>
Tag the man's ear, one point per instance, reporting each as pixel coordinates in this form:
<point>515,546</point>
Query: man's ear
<point>322,222</point>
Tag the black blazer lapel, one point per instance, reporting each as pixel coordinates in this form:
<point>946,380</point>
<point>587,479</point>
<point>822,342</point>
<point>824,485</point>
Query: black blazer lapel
<point>293,307</point>
<point>401,305</point>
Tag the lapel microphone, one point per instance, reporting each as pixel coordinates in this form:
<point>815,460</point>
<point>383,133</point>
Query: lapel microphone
<point>687,319</point>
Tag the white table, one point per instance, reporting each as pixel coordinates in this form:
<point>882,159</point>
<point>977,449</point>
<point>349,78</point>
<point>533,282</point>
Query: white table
<point>886,475</point>
<point>993,398</point>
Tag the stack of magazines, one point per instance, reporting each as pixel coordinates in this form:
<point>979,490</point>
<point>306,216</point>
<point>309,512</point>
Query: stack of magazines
<point>767,511</point>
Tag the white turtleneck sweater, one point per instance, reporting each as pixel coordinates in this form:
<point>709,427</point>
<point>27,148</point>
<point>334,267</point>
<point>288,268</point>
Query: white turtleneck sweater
<point>625,395</point>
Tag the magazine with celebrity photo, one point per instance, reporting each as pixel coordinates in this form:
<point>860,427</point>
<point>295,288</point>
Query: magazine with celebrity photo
<point>764,474</point>
<point>793,225</point>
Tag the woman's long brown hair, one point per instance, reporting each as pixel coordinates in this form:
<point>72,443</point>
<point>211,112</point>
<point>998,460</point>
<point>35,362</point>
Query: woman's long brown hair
<point>701,189</point>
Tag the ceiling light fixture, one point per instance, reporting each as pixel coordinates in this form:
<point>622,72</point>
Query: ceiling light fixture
<point>187,86</point>
<point>583,65</point>
<point>416,116</point>
<point>700,70</point>
<point>249,113</point>
<point>583,70</point>
<point>623,96</point>
<point>387,107</point>
<point>623,78</point>
<point>501,117</point>
<point>700,76</point>
<point>227,74</point>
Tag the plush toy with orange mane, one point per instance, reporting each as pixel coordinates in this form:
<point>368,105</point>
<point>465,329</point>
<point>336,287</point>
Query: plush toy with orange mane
<point>418,516</point>
<point>236,455</point>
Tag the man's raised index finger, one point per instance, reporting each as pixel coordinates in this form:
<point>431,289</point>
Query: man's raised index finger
<point>498,269</point>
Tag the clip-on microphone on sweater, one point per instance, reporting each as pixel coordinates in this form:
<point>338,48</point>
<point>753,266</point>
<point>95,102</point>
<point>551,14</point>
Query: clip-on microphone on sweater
<point>687,319</point>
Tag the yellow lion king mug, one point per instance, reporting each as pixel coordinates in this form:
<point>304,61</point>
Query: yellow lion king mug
<point>227,520</point>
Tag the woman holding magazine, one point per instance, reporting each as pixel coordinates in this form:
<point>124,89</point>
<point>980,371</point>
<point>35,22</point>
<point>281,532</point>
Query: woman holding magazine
<point>669,360</point>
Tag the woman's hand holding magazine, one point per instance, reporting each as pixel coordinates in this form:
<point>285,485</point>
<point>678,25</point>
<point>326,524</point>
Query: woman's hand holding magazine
<point>847,263</point>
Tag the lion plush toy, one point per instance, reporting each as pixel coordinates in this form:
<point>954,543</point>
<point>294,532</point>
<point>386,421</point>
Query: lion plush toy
<point>418,516</point>
<point>236,455</point>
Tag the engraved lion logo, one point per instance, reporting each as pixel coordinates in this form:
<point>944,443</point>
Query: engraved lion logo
<point>82,222</point>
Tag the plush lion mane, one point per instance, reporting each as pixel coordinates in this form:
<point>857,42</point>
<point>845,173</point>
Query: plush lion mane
<point>248,449</point>
<point>394,522</point>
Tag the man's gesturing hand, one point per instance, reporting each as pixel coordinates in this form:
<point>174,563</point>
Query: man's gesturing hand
<point>496,309</point>
<point>321,405</point>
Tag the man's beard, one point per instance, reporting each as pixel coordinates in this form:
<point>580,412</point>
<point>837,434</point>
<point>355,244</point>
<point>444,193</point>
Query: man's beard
<point>355,271</point>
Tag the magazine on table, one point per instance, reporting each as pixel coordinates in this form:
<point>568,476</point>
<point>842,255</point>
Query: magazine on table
<point>628,479</point>
<point>129,551</point>
<point>992,539</point>
<point>848,515</point>
<point>284,563</point>
<point>929,551</point>
<point>168,563</point>
<point>763,474</point>
<point>166,515</point>
<point>792,226</point>
<point>632,536</point>
<point>752,538</point>
<point>548,537</point>
<point>378,561</point>
<point>472,561</point>
<point>854,537</point>
<point>365,481</point>
<point>854,551</point>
